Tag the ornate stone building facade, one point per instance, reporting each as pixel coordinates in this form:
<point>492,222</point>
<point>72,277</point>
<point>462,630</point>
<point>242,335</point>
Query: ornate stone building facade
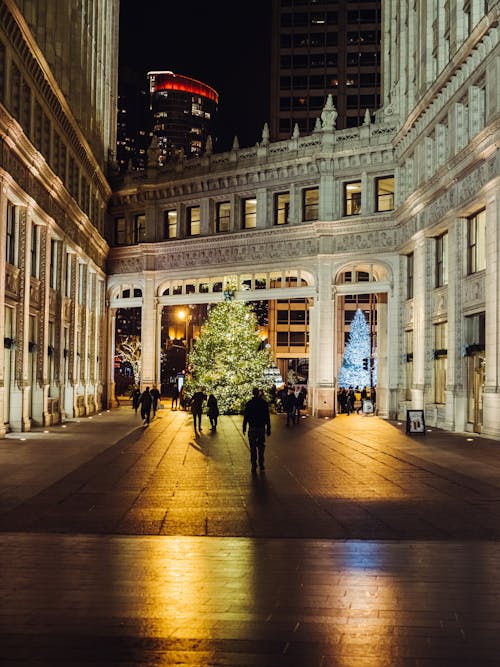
<point>57,126</point>
<point>405,210</point>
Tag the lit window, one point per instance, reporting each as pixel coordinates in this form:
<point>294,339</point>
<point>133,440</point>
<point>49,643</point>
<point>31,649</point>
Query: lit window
<point>310,204</point>
<point>249,213</point>
<point>476,243</point>
<point>385,193</point>
<point>352,198</point>
<point>170,224</point>
<point>442,260</point>
<point>281,208</point>
<point>223,216</point>
<point>194,220</point>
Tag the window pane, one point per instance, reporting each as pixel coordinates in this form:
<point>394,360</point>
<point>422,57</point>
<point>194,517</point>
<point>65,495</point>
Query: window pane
<point>385,193</point>
<point>194,217</point>
<point>249,213</point>
<point>170,224</point>
<point>281,208</point>
<point>223,216</point>
<point>310,204</point>
<point>352,198</point>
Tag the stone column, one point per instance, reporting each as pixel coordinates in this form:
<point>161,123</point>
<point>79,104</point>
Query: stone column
<point>148,331</point>
<point>20,394</point>
<point>3,230</point>
<point>324,399</point>
<point>419,322</point>
<point>491,395</point>
<point>110,389</point>
<point>455,381</point>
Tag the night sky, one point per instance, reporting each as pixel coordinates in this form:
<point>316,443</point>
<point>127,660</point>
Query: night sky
<point>220,43</point>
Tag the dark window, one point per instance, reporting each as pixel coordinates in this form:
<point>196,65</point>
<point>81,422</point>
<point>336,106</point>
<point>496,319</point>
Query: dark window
<point>442,260</point>
<point>11,236</point>
<point>476,243</point>
<point>409,276</point>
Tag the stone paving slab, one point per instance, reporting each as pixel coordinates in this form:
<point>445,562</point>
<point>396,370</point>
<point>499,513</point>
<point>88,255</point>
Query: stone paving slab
<point>360,546</point>
<point>355,477</point>
<point>75,600</point>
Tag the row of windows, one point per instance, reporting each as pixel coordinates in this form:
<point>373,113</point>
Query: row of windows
<point>475,257</point>
<point>322,39</point>
<point>301,19</point>
<point>320,82</point>
<point>315,103</point>
<point>133,231</point>
<point>315,60</point>
<point>60,267</point>
<point>27,110</point>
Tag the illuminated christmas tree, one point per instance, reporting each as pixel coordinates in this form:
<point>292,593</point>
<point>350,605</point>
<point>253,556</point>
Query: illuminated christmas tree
<point>226,360</point>
<point>355,369</point>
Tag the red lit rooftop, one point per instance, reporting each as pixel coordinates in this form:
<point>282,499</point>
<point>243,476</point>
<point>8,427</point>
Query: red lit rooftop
<point>166,80</point>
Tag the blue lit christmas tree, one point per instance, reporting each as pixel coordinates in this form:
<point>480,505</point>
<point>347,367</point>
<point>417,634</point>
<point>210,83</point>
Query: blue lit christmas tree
<point>355,369</point>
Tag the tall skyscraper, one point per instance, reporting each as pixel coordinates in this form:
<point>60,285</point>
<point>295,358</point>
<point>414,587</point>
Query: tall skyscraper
<point>183,114</point>
<point>320,48</point>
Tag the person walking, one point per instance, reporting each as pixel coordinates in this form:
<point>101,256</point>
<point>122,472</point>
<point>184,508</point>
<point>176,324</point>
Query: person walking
<point>135,396</point>
<point>290,402</point>
<point>300,399</point>
<point>364,396</point>
<point>146,401</point>
<point>256,418</point>
<point>213,411</point>
<point>197,400</point>
<point>175,396</point>
<point>155,395</point>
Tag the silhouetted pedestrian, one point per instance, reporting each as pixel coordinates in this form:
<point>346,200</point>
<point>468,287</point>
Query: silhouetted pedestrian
<point>175,396</point>
<point>213,411</point>
<point>155,395</point>
<point>135,396</point>
<point>256,417</point>
<point>146,401</point>
<point>197,400</point>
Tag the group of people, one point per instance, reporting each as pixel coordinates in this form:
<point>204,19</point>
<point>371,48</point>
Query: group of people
<point>256,415</point>
<point>293,402</point>
<point>350,399</point>
<point>147,401</point>
<point>196,404</point>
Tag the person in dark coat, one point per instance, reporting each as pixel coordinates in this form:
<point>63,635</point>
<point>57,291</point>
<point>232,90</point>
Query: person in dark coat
<point>300,399</point>
<point>256,418</point>
<point>135,396</point>
<point>155,395</point>
<point>175,396</point>
<point>197,400</point>
<point>146,401</point>
<point>290,402</point>
<point>213,411</point>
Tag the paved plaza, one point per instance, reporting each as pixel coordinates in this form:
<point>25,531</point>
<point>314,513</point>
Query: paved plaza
<point>359,546</point>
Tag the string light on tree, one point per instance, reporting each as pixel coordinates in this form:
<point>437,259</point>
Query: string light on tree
<point>355,369</point>
<point>228,360</point>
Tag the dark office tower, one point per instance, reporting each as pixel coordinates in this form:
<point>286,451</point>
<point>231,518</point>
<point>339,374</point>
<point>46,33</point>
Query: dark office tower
<point>320,48</point>
<point>184,111</point>
<point>133,134</point>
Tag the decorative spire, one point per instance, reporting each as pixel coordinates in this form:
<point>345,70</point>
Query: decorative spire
<point>329,114</point>
<point>209,146</point>
<point>317,125</point>
<point>367,118</point>
<point>296,131</point>
<point>265,134</point>
<point>236,143</point>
